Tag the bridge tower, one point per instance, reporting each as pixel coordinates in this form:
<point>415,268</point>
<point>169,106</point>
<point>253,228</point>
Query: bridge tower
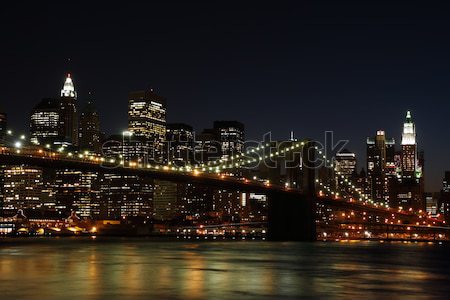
<point>292,217</point>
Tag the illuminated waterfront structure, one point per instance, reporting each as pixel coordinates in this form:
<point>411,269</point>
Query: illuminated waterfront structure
<point>147,121</point>
<point>22,187</point>
<point>125,196</point>
<point>89,129</point>
<point>77,190</point>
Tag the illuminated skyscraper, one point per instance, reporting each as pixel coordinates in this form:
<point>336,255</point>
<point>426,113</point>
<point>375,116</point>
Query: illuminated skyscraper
<point>55,121</point>
<point>77,190</point>
<point>125,196</point>
<point>22,187</point>
<point>89,131</point>
<point>410,166</point>
<point>444,199</point>
<point>45,123</point>
<point>147,120</point>
<point>68,114</point>
<point>380,161</point>
<point>231,136</point>
<point>345,162</point>
<point>180,144</point>
<point>408,189</point>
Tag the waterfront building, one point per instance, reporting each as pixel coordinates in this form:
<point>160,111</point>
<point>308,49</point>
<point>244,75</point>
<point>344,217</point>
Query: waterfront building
<point>22,187</point>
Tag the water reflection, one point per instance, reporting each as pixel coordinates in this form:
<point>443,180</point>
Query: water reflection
<point>155,269</point>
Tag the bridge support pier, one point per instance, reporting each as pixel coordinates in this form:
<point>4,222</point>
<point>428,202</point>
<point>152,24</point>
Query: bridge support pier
<point>291,217</point>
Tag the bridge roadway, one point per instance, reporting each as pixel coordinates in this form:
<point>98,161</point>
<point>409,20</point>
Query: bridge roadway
<point>288,218</point>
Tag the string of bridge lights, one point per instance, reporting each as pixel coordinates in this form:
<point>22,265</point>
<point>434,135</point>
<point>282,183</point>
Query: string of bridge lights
<point>216,166</point>
<point>242,159</point>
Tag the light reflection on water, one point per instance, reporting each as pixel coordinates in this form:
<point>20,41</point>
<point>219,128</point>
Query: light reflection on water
<point>160,269</point>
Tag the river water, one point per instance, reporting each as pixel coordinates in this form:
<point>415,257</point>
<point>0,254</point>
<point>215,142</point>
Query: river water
<point>129,268</point>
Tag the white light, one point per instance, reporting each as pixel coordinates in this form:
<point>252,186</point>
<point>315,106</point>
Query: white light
<point>18,144</point>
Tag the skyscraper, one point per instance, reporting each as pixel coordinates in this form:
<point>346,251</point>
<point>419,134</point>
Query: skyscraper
<point>345,162</point>
<point>45,123</point>
<point>231,136</point>
<point>407,191</point>
<point>68,114</point>
<point>380,157</point>
<point>180,144</point>
<point>22,187</point>
<point>147,120</point>
<point>444,199</point>
<point>89,132</point>
<point>55,121</point>
<point>410,166</point>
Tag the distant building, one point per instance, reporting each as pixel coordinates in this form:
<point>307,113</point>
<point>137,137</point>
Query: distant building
<point>380,162</point>
<point>410,162</point>
<point>89,134</point>
<point>231,136</point>
<point>207,147</point>
<point>345,165</point>
<point>180,144</point>
<point>45,123</point>
<point>68,113</point>
<point>443,204</point>
<point>147,121</point>
<point>345,162</point>
<point>55,121</point>
<point>408,189</point>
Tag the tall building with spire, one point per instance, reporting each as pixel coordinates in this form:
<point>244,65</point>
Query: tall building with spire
<point>69,114</point>
<point>408,189</point>
<point>410,165</point>
<point>89,134</point>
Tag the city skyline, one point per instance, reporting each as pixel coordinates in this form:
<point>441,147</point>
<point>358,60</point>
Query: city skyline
<point>69,91</point>
<point>369,78</point>
<point>225,149</point>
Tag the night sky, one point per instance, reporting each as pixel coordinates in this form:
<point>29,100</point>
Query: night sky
<point>349,66</point>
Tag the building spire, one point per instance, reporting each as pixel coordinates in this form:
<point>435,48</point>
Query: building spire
<point>408,116</point>
<point>68,89</point>
<point>409,131</point>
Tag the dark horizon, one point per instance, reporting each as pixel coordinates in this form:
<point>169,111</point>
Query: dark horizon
<point>352,67</point>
